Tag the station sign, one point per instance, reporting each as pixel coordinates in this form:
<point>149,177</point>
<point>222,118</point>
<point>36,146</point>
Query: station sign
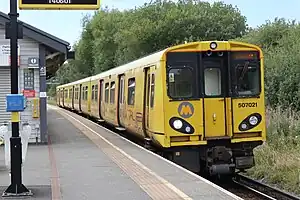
<point>59,4</point>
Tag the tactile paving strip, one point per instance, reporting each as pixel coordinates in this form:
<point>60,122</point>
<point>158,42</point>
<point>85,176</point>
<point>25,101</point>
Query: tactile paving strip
<point>155,186</point>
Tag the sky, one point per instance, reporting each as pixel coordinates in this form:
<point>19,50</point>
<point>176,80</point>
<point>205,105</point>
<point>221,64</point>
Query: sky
<point>66,25</point>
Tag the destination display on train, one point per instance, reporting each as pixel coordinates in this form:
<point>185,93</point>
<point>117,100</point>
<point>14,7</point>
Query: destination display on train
<point>60,4</point>
<point>244,55</point>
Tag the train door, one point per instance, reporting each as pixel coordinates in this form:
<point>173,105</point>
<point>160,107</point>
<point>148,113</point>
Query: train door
<point>80,96</point>
<point>214,97</point>
<point>146,99</point>
<point>121,101</point>
<point>149,80</point>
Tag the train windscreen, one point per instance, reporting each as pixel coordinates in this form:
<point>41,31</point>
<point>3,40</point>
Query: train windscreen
<point>245,73</point>
<point>182,73</point>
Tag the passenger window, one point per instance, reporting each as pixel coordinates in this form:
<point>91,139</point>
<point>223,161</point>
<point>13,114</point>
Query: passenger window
<point>152,91</point>
<point>71,93</point>
<point>106,92</point>
<point>212,81</point>
<point>121,93</point>
<point>148,89</point>
<point>131,91</point>
<point>112,92</point>
<point>96,92</point>
<point>86,92</point>
<point>93,92</point>
<point>181,82</point>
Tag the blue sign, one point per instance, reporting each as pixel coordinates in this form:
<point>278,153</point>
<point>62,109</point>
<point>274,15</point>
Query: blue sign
<point>14,103</point>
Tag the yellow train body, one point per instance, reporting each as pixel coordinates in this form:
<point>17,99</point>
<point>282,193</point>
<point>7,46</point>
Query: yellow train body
<point>191,100</point>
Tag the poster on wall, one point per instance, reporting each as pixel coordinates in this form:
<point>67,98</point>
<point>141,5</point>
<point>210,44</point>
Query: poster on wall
<point>5,55</point>
<point>29,93</point>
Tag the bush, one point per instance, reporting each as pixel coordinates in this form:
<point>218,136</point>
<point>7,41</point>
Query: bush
<point>278,160</point>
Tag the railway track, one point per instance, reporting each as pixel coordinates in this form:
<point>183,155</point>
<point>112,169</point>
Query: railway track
<point>250,189</point>
<point>240,185</point>
<point>265,191</point>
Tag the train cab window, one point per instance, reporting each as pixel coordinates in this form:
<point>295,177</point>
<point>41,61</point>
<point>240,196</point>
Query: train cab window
<point>180,82</point>
<point>112,92</point>
<point>152,91</point>
<point>212,82</point>
<point>246,74</point>
<point>106,92</point>
<point>131,91</point>
<point>247,79</point>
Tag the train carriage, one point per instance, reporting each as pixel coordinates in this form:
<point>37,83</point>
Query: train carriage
<point>201,103</point>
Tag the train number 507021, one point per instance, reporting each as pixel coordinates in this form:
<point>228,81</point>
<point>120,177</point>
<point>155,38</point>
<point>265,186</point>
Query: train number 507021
<point>247,105</point>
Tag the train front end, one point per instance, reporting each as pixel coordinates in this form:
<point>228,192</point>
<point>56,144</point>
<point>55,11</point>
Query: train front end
<point>214,100</point>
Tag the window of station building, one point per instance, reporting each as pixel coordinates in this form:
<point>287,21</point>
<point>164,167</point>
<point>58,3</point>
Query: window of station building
<point>106,92</point>
<point>180,82</point>
<point>212,81</point>
<point>131,91</point>
<point>28,79</point>
<point>112,92</point>
<point>152,91</point>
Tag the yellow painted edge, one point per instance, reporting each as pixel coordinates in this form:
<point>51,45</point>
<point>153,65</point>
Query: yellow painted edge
<point>188,143</point>
<point>15,117</point>
<point>247,139</point>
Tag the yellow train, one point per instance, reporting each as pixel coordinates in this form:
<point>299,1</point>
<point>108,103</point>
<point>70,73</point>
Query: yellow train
<point>201,103</point>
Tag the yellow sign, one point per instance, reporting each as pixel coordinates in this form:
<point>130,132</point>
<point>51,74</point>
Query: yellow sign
<point>186,109</point>
<point>59,4</point>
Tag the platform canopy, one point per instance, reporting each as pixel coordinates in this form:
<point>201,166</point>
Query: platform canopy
<point>56,48</point>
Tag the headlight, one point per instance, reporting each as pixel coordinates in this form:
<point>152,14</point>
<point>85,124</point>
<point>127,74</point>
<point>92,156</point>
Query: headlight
<point>253,120</point>
<point>177,124</point>
<point>188,129</point>
<point>244,126</point>
<point>213,45</point>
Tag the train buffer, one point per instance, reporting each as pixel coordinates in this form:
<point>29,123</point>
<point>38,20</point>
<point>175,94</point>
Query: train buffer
<point>83,160</point>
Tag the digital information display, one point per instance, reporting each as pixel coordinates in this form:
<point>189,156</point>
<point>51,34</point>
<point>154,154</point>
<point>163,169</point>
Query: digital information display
<point>59,4</point>
<point>245,55</point>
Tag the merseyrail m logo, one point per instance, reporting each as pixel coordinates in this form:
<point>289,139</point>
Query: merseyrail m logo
<point>186,109</point>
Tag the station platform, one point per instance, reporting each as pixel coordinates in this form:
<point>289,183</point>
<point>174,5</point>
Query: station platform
<point>86,161</point>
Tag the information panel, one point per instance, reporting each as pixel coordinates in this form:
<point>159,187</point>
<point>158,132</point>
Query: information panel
<point>59,4</point>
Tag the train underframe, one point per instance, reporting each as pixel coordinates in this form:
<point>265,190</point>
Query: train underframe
<point>218,157</point>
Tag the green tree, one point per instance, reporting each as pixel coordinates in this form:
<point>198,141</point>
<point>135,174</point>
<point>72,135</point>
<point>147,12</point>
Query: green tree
<point>111,37</point>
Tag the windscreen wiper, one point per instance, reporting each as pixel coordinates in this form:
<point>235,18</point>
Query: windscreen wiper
<point>245,69</point>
